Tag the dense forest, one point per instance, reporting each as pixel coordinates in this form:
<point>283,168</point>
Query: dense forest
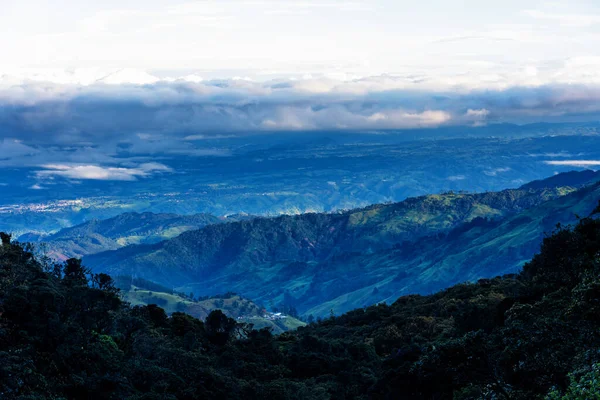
<point>66,333</point>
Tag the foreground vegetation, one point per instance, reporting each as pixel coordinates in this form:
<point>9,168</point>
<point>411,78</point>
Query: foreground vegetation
<point>66,334</point>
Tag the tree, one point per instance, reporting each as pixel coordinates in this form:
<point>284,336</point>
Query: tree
<point>74,272</point>
<point>5,237</point>
<point>219,327</point>
<point>587,387</point>
<point>597,209</point>
<point>104,282</point>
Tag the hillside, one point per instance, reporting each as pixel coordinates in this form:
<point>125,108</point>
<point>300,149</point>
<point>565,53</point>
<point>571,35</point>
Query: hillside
<point>474,250</point>
<point>528,336</point>
<point>312,259</point>
<point>125,229</point>
<point>234,306</point>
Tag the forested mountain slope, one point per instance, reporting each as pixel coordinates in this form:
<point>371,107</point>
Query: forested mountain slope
<point>474,250</point>
<point>313,237</point>
<point>514,337</point>
<point>311,259</point>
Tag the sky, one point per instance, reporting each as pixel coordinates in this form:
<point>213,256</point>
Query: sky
<point>269,38</point>
<point>81,79</point>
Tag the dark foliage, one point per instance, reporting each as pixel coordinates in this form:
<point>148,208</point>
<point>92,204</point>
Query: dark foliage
<point>66,334</point>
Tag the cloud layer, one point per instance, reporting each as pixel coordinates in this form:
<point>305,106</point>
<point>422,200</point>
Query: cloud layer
<point>45,111</point>
<point>81,131</point>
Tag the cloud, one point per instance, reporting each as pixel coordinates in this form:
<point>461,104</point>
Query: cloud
<point>454,178</point>
<point>562,154</point>
<point>565,19</point>
<point>95,172</point>
<point>76,113</point>
<point>574,163</point>
<point>97,126</point>
<point>10,148</point>
<point>496,171</point>
<point>477,116</point>
<point>477,113</point>
<point>207,137</point>
<point>129,76</point>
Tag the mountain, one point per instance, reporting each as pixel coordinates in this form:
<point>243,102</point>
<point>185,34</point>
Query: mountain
<point>474,250</point>
<point>337,261</point>
<point>571,178</point>
<point>129,228</point>
<point>534,335</point>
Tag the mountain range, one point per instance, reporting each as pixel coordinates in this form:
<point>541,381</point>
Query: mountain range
<point>323,263</point>
<point>65,333</point>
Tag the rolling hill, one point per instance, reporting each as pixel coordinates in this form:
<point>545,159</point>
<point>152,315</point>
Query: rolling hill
<point>140,292</point>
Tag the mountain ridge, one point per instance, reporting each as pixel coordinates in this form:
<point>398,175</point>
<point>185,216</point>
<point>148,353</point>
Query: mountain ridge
<point>533,335</point>
<point>119,231</point>
<point>313,259</point>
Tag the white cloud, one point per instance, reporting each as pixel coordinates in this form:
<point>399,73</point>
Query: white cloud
<point>496,171</point>
<point>575,163</point>
<point>339,117</point>
<point>566,19</point>
<point>128,76</point>
<point>481,113</point>
<point>457,178</point>
<point>478,116</point>
<point>95,172</point>
<point>402,119</point>
<point>207,137</point>
<point>561,154</point>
